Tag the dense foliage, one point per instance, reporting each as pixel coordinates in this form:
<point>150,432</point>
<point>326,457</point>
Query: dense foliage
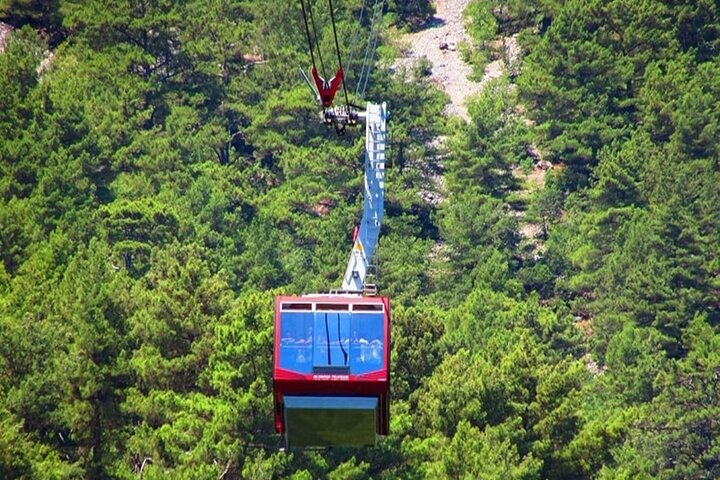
<point>163,176</point>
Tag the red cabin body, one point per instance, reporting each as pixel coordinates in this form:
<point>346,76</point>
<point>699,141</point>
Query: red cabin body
<point>331,369</point>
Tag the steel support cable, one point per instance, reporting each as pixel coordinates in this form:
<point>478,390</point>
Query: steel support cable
<point>317,43</point>
<point>372,50</point>
<point>337,49</point>
<point>364,63</point>
<point>307,31</point>
<point>356,35</point>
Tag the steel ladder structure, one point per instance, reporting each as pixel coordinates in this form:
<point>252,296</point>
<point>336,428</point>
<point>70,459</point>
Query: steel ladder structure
<point>368,233</point>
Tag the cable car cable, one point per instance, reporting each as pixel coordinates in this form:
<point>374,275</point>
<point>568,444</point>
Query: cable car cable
<point>337,49</point>
<point>307,31</point>
<point>356,35</point>
<point>317,43</point>
<point>372,57</point>
<point>370,49</point>
<point>364,62</point>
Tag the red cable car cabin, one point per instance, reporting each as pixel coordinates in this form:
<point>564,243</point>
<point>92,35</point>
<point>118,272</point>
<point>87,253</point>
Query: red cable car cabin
<point>331,372</point>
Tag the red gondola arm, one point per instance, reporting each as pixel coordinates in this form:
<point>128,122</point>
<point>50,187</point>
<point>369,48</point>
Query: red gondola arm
<point>327,88</point>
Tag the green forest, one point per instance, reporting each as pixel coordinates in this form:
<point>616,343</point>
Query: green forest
<point>164,175</point>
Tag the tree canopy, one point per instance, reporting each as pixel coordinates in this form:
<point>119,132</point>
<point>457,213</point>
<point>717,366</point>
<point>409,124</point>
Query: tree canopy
<point>163,176</point>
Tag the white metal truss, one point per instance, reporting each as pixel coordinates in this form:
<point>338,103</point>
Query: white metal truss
<point>369,229</point>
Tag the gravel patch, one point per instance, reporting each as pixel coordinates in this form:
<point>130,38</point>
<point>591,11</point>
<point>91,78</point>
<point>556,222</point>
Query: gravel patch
<point>439,44</point>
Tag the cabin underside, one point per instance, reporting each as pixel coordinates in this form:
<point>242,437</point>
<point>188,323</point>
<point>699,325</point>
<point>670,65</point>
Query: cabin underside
<point>315,421</point>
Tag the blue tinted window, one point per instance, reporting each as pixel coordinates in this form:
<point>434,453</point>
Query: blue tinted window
<point>317,340</point>
<point>296,341</point>
<point>366,342</point>
<point>332,340</point>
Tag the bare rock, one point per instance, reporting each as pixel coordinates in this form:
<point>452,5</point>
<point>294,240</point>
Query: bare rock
<point>5,31</point>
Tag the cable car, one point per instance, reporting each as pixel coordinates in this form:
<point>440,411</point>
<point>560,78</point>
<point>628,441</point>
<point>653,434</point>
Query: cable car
<point>331,373</point>
<point>331,365</point>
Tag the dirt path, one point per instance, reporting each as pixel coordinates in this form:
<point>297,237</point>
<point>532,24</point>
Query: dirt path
<point>449,72</point>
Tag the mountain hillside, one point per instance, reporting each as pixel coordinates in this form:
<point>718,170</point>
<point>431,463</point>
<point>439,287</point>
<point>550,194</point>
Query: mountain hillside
<point>552,254</point>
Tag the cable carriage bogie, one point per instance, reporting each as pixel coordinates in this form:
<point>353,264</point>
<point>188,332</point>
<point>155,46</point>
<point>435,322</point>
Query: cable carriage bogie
<point>325,88</point>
